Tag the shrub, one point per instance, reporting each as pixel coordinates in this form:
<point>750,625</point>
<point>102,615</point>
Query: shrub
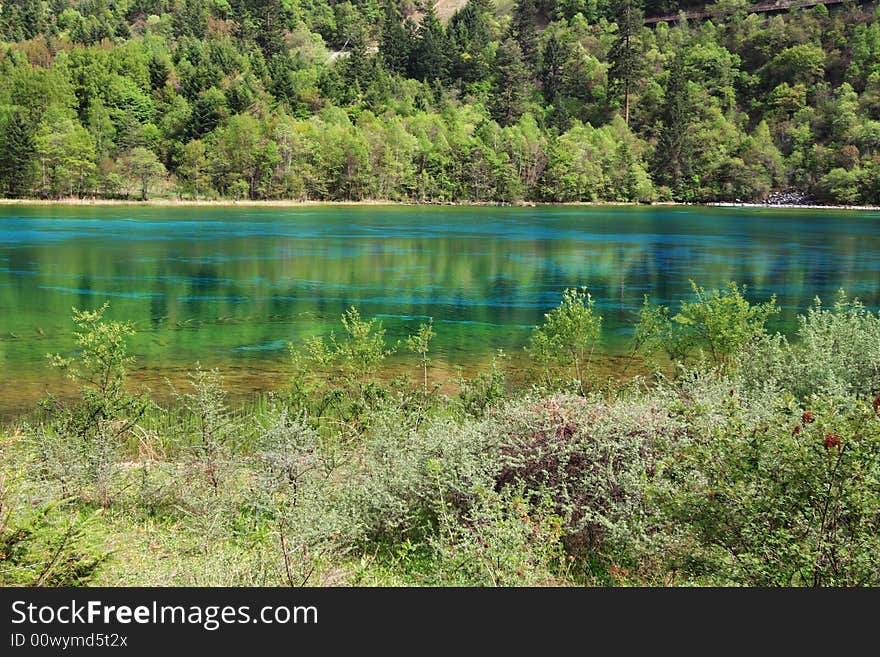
<point>591,458</point>
<point>392,493</point>
<point>208,427</point>
<point>835,352</point>
<point>479,393</point>
<point>568,337</point>
<point>793,501</point>
<point>502,540</point>
<point>43,543</point>
<point>717,324</point>
<point>81,443</point>
<point>420,343</point>
<point>334,378</point>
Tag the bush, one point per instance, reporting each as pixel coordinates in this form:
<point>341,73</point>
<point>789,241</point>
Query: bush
<point>43,543</point>
<point>502,540</point>
<point>81,444</point>
<point>793,501</point>
<point>835,352</point>
<point>568,337</point>
<point>591,458</point>
<point>716,324</point>
<point>392,494</point>
<point>479,393</point>
<point>335,380</point>
<point>208,427</point>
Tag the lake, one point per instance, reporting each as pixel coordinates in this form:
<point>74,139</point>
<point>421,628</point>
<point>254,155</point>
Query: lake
<point>231,286</point>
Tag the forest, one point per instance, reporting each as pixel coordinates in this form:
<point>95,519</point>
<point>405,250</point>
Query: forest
<point>531,100</point>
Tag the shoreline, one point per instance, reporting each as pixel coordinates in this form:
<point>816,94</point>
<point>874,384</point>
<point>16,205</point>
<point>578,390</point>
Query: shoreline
<point>789,206</point>
<point>292,203</point>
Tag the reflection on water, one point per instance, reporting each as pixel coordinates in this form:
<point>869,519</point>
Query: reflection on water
<point>231,286</point>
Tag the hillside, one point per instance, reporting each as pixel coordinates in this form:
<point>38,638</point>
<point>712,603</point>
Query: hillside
<point>562,100</point>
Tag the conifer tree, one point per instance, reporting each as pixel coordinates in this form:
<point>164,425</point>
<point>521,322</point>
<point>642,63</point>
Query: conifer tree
<point>627,51</point>
<point>17,149</point>
<point>525,13</point>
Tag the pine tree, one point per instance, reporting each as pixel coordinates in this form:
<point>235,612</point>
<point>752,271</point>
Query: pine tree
<point>469,35</point>
<point>512,83</point>
<point>552,74</point>
<point>429,59</point>
<point>17,153</point>
<point>270,25</point>
<point>395,44</point>
<point>673,148</point>
<point>627,51</point>
<point>525,13</point>
<point>31,18</point>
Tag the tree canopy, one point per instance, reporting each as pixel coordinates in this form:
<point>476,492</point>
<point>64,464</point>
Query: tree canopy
<point>558,100</point>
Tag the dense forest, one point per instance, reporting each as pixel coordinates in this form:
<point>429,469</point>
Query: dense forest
<point>538,100</point>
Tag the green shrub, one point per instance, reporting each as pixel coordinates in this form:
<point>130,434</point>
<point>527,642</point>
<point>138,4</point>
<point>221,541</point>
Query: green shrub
<point>334,379</point>
<point>793,501</point>
<point>836,352</point>
<point>392,493</point>
<point>590,458</point>
<point>208,428</point>
<point>568,337</point>
<point>43,543</point>
<point>80,445</point>
<point>420,343</point>
<point>479,393</point>
<point>716,325</point>
<point>501,540</point>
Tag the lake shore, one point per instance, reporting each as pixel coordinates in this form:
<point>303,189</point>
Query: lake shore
<point>788,206</point>
<point>293,203</point>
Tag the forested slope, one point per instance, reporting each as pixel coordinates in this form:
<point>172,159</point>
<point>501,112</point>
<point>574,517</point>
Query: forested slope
<point>561,100</point>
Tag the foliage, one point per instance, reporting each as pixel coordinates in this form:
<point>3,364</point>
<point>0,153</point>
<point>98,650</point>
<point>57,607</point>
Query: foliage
<point>42,543</point>
<point>501,541</point>
<point>214,429</point>
<point>335,377</point>
<point>792,501</point>
<point>296,100</point>
<point>478,394</point>
<point>836,351</point>
<point>419,343</point>
<point>569,336</point>
<point>718,324</point>
<point>81,444</point>
<point>589,459</point>
<point>762,470</point>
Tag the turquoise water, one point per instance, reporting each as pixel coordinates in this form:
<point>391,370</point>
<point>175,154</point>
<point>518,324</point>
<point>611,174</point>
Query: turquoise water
<point>231,286</point>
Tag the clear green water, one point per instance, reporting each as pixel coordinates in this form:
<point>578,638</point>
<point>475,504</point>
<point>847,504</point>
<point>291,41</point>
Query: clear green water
<point>231,286</point>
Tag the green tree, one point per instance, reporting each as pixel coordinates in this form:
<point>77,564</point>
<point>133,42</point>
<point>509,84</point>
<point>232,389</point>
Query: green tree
<point>674,148</point>
<point>16,155</point>
<point>429,56</point>
<point>242,155</point>
<point>627,52</point>
<point>66,154</point>
<point>142,165</point>
<point>522,30</point>
<point>512,84</point>
<point>193,169</point>
<point>395,44</point>
<point>569,336</point>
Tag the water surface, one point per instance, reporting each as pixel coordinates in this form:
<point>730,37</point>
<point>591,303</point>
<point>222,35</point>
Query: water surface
<point>231,286</point>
